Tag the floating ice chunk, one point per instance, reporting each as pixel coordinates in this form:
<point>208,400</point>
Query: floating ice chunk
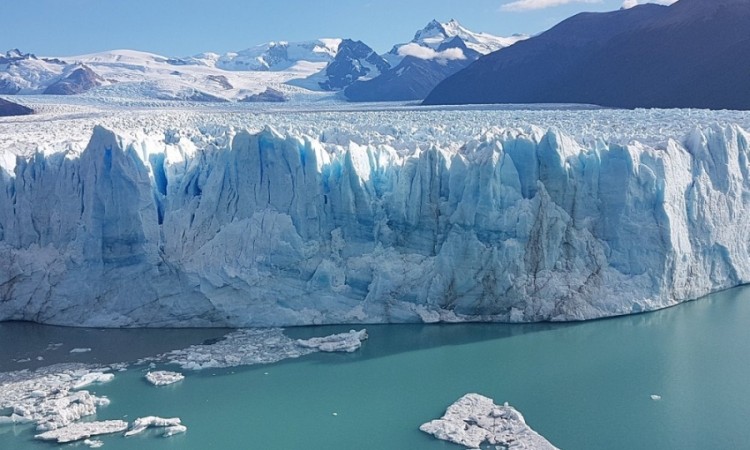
<point>13,419</point>
<point>239,348</point>
<point>83,430</point>
<point>344,342</point>
<point>93,377</point>
<point>93,443</point>
<point>164,377</point>
<point>475,419</point>
<point>46,396</point>
<point>175,429</point>
<point>655,397</point>
<point>142,423</point>
<point>80,350</point>
<point>257,346</point>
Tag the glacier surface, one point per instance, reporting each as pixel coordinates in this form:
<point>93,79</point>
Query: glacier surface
<point>194,219</point>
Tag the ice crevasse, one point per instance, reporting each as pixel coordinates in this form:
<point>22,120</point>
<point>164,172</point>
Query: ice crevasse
<point>275,229</point>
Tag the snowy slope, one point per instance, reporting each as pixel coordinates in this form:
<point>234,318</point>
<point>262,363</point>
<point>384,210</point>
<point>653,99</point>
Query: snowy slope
<point>184,219</point>
<point>135,74</point>
<point>277,55</point>
<point>141,74</point>
<point>437,51</point>
<point>435,34</point>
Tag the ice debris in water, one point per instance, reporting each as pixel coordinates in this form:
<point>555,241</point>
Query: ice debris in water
<point>93,377</point>
<point>344,342</point>
<point>164,377</point>
<point>47,396</point>
<point>475,419</point>
<point>83,430</point>
<point>93,443</point>
<point>257,346</point>
<point>171,426</point>
<point>80,350</point>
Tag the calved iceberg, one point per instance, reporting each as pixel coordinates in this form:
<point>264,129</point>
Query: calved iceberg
<point>270,229</point>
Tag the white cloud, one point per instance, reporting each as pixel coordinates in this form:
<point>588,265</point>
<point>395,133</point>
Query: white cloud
<point>420,52</point>
<point>630,3</point>
<point>527,5</point>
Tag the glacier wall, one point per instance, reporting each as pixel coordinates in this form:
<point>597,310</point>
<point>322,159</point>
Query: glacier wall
<point>272,229</point>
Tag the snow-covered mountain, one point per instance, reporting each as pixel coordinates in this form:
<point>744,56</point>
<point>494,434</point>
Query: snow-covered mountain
<point>293,68</point>
<point>436,34</point>
<point>273,56</point>
<point>408,71</point>
<point>354,61</point>
<point>369,217</point>
<point>134,74</point>
<point>416,67</point>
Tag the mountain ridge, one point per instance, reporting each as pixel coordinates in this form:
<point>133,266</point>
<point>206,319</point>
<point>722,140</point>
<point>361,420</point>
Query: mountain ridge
<point>694,53</point>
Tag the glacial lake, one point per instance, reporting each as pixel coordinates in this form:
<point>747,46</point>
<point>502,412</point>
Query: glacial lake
<point>581,385</point>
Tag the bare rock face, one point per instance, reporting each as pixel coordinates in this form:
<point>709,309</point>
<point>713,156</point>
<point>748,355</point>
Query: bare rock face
<point>270,95</point>
<point>78,81</point>
<point>12,109</point>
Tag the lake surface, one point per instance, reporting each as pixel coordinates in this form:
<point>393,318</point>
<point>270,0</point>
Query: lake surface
<point>581,385</point>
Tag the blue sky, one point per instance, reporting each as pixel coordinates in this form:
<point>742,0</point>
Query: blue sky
<point>186,27</point>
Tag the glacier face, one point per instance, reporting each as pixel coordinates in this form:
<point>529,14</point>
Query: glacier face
<point>267,228</point>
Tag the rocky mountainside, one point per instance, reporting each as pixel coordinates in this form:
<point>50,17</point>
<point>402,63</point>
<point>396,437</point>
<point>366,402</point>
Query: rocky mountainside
<point>692,54</point>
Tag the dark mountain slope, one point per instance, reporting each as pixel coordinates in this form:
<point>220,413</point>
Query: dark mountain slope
<point>13,109</point>
<point>695,53</point>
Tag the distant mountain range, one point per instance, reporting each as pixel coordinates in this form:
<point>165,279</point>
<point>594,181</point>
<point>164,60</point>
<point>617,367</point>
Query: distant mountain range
<point>348,68</point>
<point>693,54</point>
<point>416,67</point>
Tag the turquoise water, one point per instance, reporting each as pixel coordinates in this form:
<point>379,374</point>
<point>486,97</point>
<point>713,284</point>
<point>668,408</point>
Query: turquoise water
<point>581,385</point>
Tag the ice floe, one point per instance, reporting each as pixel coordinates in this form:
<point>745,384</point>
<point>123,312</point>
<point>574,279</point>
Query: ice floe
<point>93,377</point>
<point>172,426</point>
<point>164,377</point>
<point>80,350</point>
<point>258,346</point>
<point>83,430</point>
<point>344,342</point>
<point>47,397</point>
<point>475,419</point>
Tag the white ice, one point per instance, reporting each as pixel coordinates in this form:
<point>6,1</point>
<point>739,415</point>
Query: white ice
<point>172,425</point>
<point>164,377</point>
<point>343,342</point>
<point>474,420</point>
<point>82,430</point>
<point>369,216</point>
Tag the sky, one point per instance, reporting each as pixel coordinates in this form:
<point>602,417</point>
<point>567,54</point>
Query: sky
<point>188,27</point>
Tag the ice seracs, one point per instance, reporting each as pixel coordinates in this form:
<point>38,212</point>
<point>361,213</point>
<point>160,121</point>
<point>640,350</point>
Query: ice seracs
<point>384,217</point>
<point>474,420</point>
<point>164,377</point>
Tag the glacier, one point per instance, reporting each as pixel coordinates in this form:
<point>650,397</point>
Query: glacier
<point>264,226</point>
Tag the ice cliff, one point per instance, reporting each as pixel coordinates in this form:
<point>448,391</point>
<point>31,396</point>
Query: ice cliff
<point>272,229</point>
